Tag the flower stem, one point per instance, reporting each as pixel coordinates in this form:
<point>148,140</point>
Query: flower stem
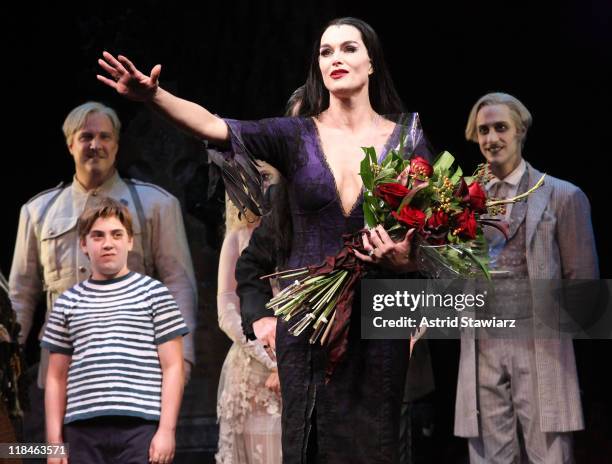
<point>537,185</point>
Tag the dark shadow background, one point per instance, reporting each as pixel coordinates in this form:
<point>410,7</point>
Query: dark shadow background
<point>244,58</point>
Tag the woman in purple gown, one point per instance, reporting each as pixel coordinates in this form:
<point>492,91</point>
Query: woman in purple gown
<point>354,417</point>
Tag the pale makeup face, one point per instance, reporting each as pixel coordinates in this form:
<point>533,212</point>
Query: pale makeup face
<point>94,147</point>
<point>107,245</point>
<point>498,137</point>
<point>344,61</point>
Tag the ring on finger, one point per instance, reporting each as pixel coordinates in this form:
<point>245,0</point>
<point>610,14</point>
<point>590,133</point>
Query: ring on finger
<point>371,253</point>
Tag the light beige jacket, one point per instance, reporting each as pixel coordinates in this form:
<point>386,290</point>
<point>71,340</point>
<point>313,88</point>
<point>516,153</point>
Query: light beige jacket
<point>48,258</point>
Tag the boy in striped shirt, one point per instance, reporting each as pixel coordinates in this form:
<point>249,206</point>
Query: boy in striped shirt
<point>115,379</point>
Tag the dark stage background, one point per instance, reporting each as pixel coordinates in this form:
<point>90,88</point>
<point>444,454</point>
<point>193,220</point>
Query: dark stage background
<point>243,59</point>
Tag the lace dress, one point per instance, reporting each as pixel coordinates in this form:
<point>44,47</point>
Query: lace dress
<point>249,413</point>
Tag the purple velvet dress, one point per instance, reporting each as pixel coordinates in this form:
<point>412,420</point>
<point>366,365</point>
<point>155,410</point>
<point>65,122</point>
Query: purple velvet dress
<point>355,417</point>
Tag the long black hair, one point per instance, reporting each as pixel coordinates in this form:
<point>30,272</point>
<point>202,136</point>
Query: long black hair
<point>383,96</point>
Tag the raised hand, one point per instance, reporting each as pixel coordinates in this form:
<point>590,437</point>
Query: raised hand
<point>127,80</point>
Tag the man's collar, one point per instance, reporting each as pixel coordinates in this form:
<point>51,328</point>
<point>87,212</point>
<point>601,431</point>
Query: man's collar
<point>513,178</point>
<point>105,187</point>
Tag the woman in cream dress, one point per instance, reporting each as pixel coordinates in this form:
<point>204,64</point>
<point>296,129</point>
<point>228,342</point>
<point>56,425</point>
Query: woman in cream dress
<point>248,399</point>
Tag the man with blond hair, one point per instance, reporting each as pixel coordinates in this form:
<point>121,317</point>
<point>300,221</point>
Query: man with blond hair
<point>47,258</point>
<point>525,386</point>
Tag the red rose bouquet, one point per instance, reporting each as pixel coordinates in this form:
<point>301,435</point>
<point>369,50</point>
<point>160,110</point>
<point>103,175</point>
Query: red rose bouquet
<point>447,210</point>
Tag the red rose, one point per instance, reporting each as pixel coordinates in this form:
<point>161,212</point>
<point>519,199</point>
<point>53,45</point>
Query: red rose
<point>466,224</point>
<point>462,192</point>
<point>437,220</point>
<point>412,217</point>
<point>392,193</point>
<point>420,167</point>
<point>477,198</point>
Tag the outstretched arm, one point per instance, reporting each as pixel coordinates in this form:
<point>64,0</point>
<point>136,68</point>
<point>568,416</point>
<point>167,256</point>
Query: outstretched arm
<point>128,81</point>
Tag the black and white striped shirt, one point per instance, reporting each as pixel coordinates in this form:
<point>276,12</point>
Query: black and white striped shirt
<point>111,328</point>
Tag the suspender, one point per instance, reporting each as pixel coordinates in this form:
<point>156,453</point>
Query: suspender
<point>146,246</point>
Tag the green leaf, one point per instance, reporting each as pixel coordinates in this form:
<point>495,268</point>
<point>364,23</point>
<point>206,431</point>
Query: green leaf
<point>444,162</point>
<point>387,162</point>
<point>457,175</point>
<point>370,217</point>
<point>371,152</point>
<point>366,173</point>
<point>386,172</point>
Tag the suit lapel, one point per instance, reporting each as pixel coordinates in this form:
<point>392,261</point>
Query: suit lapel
<point>536,202</point>
<point>517,216</point>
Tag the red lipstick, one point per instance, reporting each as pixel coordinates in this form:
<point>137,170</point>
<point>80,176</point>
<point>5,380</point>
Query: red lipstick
<point>338,73</point>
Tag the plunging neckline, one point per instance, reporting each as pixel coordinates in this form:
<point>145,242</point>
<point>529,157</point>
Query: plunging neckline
<point>325,162</point>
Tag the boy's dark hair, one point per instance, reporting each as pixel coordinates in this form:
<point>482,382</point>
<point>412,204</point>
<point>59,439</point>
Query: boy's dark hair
<point>105,209</point>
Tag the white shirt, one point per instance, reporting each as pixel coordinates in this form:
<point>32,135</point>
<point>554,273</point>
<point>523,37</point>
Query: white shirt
<point>512,180</point>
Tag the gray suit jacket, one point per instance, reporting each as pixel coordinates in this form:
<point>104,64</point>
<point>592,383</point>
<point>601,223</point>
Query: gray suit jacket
<point>560,245</point>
